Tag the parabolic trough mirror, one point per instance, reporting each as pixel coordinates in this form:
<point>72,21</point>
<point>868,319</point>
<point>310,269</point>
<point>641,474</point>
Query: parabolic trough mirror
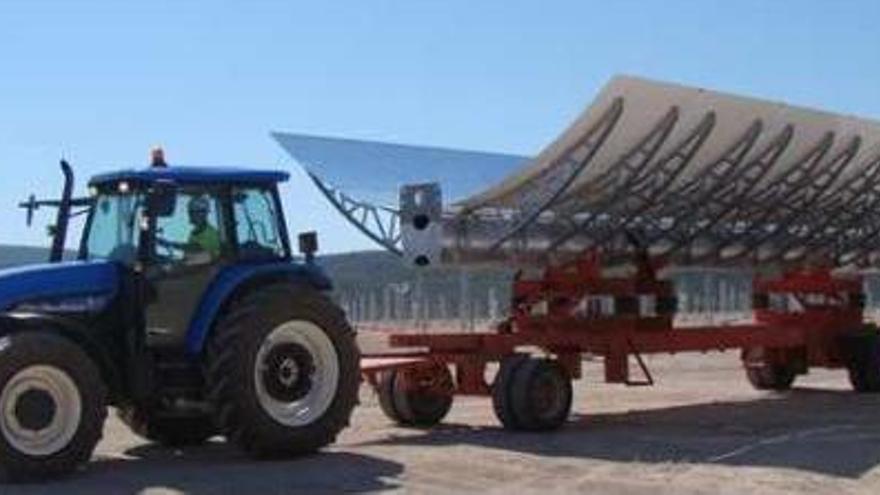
<point>699,177</point>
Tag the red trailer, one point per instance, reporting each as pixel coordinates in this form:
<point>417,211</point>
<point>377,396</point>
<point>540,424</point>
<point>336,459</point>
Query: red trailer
<point>802,319</point>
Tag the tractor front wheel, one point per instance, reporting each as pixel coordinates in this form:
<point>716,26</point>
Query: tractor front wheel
<point>282,370</point>
<point>52,406</point>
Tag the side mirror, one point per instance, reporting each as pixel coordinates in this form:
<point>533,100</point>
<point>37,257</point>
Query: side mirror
<point>162,199</point>
<point>308,245</point>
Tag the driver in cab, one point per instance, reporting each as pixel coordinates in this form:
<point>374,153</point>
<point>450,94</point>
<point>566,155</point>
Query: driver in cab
<point>204,239</point>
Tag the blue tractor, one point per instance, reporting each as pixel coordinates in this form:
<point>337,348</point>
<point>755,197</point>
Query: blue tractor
<point>185,310</point>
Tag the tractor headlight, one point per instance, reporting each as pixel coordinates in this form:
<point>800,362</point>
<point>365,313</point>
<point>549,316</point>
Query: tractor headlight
<point>75,304</point>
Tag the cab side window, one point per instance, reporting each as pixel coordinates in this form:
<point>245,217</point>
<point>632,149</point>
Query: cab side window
<point>113,231</point>
<point>256,224</point>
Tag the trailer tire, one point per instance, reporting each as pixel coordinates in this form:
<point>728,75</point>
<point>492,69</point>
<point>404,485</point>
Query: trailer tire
<point>385,391</point>
<point>172,431</point>
<point>57,399</point>
<point>771,377</point>
<point>502,388</point>
<point>863,362</point>
<point>423,405</point>
<point>765,374</point>
<point>542,395</point>
<point>282,371</point>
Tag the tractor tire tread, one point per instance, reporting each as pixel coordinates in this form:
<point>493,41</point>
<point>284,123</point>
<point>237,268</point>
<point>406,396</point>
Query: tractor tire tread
<point>237,412</point>
<point>22,349</point>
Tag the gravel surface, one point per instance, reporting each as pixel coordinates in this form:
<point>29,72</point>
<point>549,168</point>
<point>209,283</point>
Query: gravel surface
<point>701,429</point>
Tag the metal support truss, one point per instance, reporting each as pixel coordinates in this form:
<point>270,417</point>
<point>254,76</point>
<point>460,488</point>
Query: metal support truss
<point>379,223</point>
<point>838,212</point>
<point>768,215</point>
<point>552,182</point>
<point>636,193</point>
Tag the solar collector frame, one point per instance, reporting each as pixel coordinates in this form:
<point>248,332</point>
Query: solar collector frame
<point>694,176</point>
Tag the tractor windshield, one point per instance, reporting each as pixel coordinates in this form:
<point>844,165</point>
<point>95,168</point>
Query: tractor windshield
<point>111,232</point>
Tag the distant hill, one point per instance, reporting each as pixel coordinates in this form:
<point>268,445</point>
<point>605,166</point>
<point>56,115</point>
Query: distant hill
<point>22,255</point>
<point>348,266</point>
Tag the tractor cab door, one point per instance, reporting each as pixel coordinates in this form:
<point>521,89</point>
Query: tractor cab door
<point>188,249</point>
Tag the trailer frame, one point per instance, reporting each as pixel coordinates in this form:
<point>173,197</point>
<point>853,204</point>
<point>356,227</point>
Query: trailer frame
<point>803,318</point>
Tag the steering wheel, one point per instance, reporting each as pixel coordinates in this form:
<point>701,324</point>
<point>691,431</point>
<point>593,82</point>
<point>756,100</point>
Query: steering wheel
<point>168,251</point>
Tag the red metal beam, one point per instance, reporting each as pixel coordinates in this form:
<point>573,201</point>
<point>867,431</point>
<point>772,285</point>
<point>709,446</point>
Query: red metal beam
<point>600,342</point>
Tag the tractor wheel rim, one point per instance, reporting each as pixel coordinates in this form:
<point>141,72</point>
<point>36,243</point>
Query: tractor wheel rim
<point>315,380</point>
<point>30,429</point>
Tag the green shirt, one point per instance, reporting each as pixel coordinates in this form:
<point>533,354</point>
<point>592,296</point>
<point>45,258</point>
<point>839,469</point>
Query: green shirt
<point>206,239</point>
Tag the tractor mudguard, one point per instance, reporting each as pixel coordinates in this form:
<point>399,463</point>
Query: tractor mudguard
<point>71,329</point>
<point>231,279</point>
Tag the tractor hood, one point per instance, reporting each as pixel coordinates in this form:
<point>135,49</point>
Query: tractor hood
<point>55,282</point>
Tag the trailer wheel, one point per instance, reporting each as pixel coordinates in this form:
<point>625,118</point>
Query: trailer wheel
<point>864,362</point>
<point>764,375</point>
<point>52,406</point>
<point>419,397</point>
<point>542,395</point>
<point>385,391</point>
<point>282,371</point>
<point>770,377</point>
<point>168,430</point>
<point>502,388</point>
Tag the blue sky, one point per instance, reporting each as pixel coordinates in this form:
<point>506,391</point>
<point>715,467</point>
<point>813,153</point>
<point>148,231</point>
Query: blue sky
<point>101,82</point>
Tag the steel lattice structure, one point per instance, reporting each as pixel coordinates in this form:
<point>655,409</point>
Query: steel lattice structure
<point>694,176</point>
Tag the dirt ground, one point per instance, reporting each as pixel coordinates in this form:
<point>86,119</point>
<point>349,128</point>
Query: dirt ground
<point>701,429</point>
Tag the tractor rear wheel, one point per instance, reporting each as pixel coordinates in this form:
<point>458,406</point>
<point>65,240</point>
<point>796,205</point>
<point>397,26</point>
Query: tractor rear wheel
<point>282,370</point>
<point>173,431</point>
<point>52,406</point>
<point>419,397</point>
<point>863,356</point>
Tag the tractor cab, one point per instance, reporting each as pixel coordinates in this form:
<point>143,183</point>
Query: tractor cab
<point>179,228</point>
<point>180,216</point>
